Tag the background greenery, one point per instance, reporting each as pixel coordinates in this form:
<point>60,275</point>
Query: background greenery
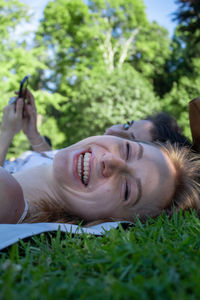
<point>96,63</point>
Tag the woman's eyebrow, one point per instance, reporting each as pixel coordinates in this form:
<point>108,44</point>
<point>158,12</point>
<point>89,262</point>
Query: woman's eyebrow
<point>140,152</point>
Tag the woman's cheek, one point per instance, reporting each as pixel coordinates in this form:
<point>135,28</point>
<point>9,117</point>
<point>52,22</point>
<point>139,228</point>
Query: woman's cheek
<point>60,167</point>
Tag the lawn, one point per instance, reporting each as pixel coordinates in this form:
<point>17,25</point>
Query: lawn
<point>156,260</point>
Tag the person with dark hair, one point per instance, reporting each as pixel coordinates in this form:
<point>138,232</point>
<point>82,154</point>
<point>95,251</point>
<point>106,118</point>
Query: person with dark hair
<point>101,178</point>
<point>159,127</point>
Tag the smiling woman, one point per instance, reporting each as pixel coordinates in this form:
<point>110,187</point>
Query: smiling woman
<point>118,182</point>
<point>106,178</point>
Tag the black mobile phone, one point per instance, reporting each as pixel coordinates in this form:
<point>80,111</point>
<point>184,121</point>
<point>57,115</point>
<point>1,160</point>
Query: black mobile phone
<point>22,90</point>
<point>23,86</point>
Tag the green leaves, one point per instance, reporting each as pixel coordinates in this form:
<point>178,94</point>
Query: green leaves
<point>11,13</point>
<point>94,64</point>
<point>105,100</point>
<point>176,102</point>
<point>84,37</point>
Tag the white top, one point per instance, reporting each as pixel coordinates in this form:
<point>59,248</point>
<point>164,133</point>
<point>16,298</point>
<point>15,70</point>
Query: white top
<point>26,161</point>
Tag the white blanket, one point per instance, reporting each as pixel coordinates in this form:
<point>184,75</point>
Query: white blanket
<point>12,233</point>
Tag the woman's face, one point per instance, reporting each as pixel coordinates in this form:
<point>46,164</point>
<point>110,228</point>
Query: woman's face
<point>135,130</point>
<point>107,176</point>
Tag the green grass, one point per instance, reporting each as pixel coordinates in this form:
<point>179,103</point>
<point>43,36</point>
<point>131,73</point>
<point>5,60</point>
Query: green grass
<point>157,260</point>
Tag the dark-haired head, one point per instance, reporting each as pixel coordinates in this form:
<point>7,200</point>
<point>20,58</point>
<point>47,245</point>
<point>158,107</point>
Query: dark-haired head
<point>159,127</point>
<point>166,129</point>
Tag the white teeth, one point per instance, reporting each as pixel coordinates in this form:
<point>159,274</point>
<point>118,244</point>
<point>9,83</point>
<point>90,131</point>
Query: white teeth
<point>85,172</point>
<point>79,165</point>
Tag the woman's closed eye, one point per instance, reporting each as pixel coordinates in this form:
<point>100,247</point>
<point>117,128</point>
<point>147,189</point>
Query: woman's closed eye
<point>126,191</point>
<point>128,151</point>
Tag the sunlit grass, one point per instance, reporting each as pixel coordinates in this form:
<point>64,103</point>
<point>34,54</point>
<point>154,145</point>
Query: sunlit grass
<point>156,260</point>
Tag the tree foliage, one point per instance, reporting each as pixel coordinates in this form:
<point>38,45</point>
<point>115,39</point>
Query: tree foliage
<point>188,16</point>
<point>99,62</point>
<point>152,53</point>
<point>186,41</point>
<point>83,37</point>
<point>106,100</point>
<point>18,60</point>
<point>184,64</point>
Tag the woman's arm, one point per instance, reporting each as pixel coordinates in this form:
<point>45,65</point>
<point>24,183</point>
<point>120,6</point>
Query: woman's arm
<point>29,127</point>
<point>12,202</point>
<point>11,199</point>
<point>11,125</point>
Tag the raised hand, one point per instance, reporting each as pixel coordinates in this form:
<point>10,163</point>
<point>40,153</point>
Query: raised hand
<point>11,124</point>
<point>29,125</point>
<point>12,118</point>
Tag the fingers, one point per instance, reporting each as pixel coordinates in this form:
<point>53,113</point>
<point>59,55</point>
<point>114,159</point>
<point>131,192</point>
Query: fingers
<point>30,98</point>
<point>12,118</point>
<point>25,111</point>
<point>9,109</point>
<point>19,107</point>
<point>31,111</point>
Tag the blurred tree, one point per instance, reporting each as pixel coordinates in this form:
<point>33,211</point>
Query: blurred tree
<point>184,90</point>
<point>11,14</point>
<point>188,17</point>
<point>17,60</point>
<point>84,41</point>
<point>102,60</point>
<point>84,38</point>
<point>186,41</point>
<point>105,100</point>
<point>184,64</point>
<point>152,53</point>
<point>184,51</point>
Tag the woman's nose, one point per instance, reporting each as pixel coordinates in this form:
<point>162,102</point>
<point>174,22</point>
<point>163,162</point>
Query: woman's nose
<point>117,132</point>
<point>111,131</point>
<point>111,164</point>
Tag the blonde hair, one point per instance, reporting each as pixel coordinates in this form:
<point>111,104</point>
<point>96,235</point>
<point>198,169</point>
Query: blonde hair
<point>186,195</point>
<point>187,185</point>
<point>44,211</point>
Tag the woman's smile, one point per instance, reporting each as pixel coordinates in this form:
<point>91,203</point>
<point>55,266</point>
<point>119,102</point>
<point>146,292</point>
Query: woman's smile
<point>113,177</point>
<point>84,167</point>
